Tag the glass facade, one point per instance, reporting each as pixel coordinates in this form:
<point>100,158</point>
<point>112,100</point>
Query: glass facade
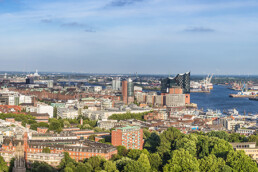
<point>181,80</point>
<point>130,89</point>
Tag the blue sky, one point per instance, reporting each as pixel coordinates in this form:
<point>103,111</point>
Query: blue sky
<point>128,36</point>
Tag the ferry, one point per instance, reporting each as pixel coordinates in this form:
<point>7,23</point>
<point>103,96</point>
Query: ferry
<point>245,94</point>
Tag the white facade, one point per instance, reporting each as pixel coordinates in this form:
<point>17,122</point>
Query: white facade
<point>25,99</point>
<point>106,103</point>
<point>31,109</point>
<point>43,108</point>
<point>116,84</point>
<point>97,88</point>
<point>175,100</point>
<point>13,100</point>
<point>66,113</point>
<point>50,84</point>
<point>137,89</point>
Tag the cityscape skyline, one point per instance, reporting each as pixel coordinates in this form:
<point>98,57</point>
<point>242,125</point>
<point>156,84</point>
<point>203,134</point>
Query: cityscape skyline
<point>153,37</point>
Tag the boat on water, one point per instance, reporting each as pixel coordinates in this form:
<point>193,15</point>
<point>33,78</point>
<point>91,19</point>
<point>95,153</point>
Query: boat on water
<point>231,112</point>
<point>245,94</point>
<point>253,98</point>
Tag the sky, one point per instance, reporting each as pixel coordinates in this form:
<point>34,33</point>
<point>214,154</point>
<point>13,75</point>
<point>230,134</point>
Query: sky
<point>128,36</point>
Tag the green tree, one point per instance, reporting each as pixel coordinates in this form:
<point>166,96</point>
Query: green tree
<point>68,169</point>
<point>219,147</point>
<point>92,137</point>
<point>3,165</point>
<point>144,161</point>
<point>72,165</point>
<point>181,160</point>
<point>188,142</point>
<point>146,133</point>
<point>42,167</point>
<point>220,134</point>
<point>155,161</point>
<point>86,126</point>
<point>239,161</point>
<point>212,164</point>
<point>96,162</point>
<point>66,160</point>
<point>34,126</point>
<point>46,150</point>
<point>97,129</point>
<point>253,138</point>
<point>134,166</point>
<point>31,121</point>
<point>134,154</point>
<point>202,146</point>
<point>88,167</point>
<point>43,124</point>
<point>81,167</point>
<point>121,163</point>
<point>234,137</point>
<point>110,166</point>
<point>167,142</point>
<point>66,123</point>
<point>55,125</point>
<point>152,142</point>
<point>121,150</point>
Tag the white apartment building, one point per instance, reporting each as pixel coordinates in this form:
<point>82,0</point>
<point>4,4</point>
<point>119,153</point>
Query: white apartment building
<point>25,99</point>
<point>116,84</point>
<point>66,113</point>
<point>44,108</point>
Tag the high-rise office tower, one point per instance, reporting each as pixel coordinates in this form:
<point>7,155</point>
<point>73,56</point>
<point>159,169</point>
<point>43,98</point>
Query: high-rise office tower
<point>124,91</point>
<point>116,84</point>
<point>128,91</point>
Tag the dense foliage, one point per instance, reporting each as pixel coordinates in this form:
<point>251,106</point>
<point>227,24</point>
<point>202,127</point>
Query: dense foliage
<point>25,119</point>
<point>3,165</point>
<point>128,115</point>
<point>171,151</point>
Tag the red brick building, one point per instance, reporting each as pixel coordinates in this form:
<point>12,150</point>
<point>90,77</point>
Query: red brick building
<point>124,91</point>
<point>10,120</point>
<point>77,149</point>
<point>10,109</point>
<point>42,130</point>
<point>130,137</point>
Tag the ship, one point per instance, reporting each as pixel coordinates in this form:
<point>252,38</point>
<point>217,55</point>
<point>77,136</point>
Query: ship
<point>253,98</point>
<point>245,94</point>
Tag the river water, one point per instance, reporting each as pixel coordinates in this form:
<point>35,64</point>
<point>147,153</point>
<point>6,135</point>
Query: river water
<point>219,99</point>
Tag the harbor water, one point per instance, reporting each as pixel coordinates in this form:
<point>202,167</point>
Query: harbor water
<point>218,99</point>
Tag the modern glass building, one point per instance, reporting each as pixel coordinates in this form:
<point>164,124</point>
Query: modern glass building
<point>130,88</point>
<point>181,80</point>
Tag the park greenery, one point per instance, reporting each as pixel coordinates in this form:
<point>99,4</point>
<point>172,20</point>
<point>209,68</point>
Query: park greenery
<point>128,115</point>
<point>171,151</point>
<point>53,124</point>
